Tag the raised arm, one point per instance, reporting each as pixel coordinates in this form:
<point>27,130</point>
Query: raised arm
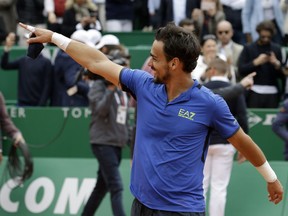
<point>89,57</point>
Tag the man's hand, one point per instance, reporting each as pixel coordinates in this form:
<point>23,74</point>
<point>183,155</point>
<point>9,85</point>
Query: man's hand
<point>42,35</point>
<point>18,138</point>
<point>273,60</point>
<point>10,41</point>
<point>275,190</point>
<point>261,59</point>
<point>248,81</point>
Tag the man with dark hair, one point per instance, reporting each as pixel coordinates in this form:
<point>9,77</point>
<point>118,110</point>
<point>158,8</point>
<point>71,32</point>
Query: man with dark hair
<point>264,57</point>
<point>190,25</point>
<point>174,117</point>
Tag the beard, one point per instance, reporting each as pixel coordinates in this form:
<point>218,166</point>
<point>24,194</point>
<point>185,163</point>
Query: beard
<point>163,79</point>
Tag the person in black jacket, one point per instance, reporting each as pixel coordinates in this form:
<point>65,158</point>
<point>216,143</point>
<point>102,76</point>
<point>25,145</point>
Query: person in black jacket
<point>34,76</point>
<point>168,14</point>
<point>264,57</point>
<point>219,161</point>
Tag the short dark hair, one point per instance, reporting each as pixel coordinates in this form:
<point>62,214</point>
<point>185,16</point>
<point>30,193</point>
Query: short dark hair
<point>189,22</point>
<point>186,21</point>
<point>266,25</point>
<point>181,44</point>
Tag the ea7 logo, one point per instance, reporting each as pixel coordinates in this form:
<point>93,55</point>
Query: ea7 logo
<point>186,114</point>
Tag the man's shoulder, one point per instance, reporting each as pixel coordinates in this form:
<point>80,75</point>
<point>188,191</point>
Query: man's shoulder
<point>237,45</point>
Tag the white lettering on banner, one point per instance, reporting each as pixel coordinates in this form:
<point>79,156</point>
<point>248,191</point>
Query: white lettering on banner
<point>254,119</point>
<point>5,201</point>
<point>33,189</point>
<point>76,112</point>
<point>69,195</point>
<point>65,111</point>
<point>269,119</point>
<point>16,112</point>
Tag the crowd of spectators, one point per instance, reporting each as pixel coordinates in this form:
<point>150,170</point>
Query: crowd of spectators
<point>221,33</point>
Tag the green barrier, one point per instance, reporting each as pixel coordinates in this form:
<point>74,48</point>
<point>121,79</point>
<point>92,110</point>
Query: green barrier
<point>61,186</point>
<point>50,132</point>
<point>56,132</point>
<point>134,38</point>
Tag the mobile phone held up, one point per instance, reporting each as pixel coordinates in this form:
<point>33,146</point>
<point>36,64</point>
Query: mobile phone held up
<point>34,49</point>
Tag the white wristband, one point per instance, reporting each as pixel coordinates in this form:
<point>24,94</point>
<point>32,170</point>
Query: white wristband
<point>60,40</point>
<point>267,172</point>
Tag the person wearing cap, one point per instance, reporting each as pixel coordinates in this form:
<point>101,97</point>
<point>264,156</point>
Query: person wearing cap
<point>279,126</point>
<point>107,43</point>
<point>69,87</point>
<point>108,135</point>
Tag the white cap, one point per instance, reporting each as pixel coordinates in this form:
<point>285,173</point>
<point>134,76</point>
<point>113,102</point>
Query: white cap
<point>108,39</point>
<point>82,36</point>
<point>94,35</point>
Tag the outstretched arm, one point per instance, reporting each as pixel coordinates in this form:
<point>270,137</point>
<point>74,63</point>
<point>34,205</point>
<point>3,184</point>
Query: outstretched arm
<point>235,90</point>
<point>89,57</point>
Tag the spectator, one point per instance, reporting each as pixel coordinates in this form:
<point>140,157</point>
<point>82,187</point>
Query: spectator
<point>119,15</point>
<point>108,135</point>
<point>140,15</point>
<point>264,57</point>
<point>227,47</point>
<point>3,33</point>
<point>255,12</point>
<point>34,76</point>
<point>107,43</point>
<point>9,15</point>
<point>8,127</point>
<point>233,10</point>
<point>54,10</point>
<point>284,7</point>
<point>29,11</point>
<point>175,10</point>
<point>220,155</point>
<point>153,9</point>
<point>69,88</point>
<point>279,126</point>
<point>80,15</point>
<point>208,53</point>
<point>208,16</point>
<point>190,25</point>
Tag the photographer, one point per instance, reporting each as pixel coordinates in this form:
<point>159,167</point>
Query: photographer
<point>108,135</point>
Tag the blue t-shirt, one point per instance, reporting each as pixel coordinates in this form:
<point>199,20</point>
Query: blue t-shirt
<point>167,170</point>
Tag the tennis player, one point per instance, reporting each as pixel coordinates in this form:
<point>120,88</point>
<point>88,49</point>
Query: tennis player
<point>174,117</point>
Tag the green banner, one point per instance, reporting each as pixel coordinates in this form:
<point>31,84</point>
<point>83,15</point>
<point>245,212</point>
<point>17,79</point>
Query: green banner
<point>61,186</point>
<point>57,187</point>
<point>64,132</point>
